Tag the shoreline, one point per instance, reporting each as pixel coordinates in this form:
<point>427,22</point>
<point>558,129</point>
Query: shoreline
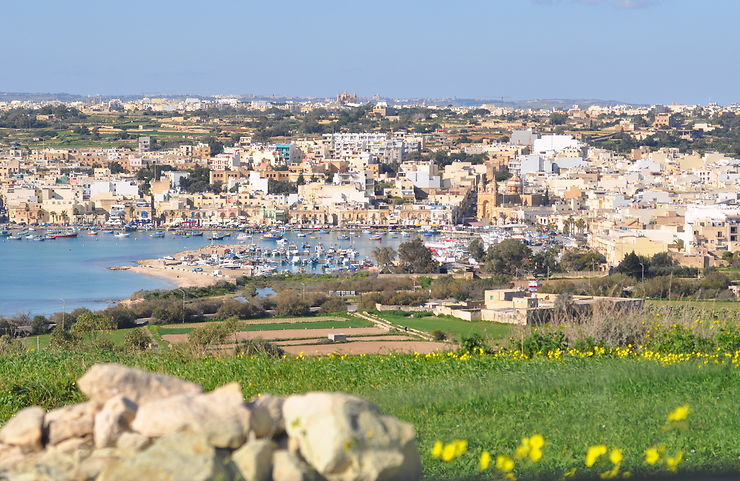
<point>183,276</point>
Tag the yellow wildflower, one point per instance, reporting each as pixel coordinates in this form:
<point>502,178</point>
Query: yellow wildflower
<point>504,464</point>
<point>652,456</point>
<point>485,460</point>
<point>437,450</point>
<point>448,452</point>
<point>679,414</point>
<point>616,456</point>
<point>593,454</point>
<point>672,462</point>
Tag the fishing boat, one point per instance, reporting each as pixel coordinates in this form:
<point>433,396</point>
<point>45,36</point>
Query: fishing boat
<point>343,237</point>
<point>195,234</point>
<point>62,235</point>
<point>272,236</point>
<point>122,234</point>
<point>301,234</point>
<point>157,235</point>
<point>13,237</point>
<point>38,238</point>
<point>92,232</point>
<point>376,237</point>
<point>4,233</point>
<point>216,236</point>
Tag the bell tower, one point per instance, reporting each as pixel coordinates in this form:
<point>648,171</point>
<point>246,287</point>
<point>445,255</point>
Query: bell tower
<point>487,201</point>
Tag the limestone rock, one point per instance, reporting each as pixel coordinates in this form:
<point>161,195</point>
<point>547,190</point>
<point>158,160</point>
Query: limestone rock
<point>10,457</point>
<point>69,422</point>
<point>25,430</point>
<point>104,381</point>
<point>220,415</point>
<point>346,438</point>
<point>287,467</point>
<point>267,415</point>
<point>132,441</point>
<point>112,420</point>
<point>254,460</point>
<point>182,456</point>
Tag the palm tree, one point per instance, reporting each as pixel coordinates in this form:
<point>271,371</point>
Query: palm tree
<point>581,225</point>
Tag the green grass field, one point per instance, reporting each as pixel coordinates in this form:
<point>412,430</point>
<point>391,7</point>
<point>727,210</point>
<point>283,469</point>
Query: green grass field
<point>491,403</point>
<point>353,322</point>
<point>455,327</point>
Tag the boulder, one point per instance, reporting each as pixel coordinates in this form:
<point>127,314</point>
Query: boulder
<point>220,415</point>
<point>73,421</point>
<point>254,460</point>
<point>113,420</point>
<point>346,438</point>
<point>129,441</point>
<point>25,430</point>
<point>267,415</point>
<point>181,456</point>
<point>286,466</point>
<point>104,381</point>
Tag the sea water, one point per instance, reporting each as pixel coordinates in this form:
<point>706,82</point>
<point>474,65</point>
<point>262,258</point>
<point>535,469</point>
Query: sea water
<point>54,275</point>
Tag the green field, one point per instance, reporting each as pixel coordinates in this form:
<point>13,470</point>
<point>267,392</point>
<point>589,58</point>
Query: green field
<point>455,327</point>
<point>352,322</point>
<point>492,403</point>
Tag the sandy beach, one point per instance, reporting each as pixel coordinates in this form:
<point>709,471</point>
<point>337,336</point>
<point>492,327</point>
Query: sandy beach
<point>182,275</point>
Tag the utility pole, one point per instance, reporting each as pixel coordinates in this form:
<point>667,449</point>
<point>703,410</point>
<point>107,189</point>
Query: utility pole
<point>64,310</point>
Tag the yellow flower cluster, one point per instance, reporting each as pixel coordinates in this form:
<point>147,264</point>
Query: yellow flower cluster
<point>530,448</point>
<point>615,458</point>
<point>656,455</point>
<point>597,456</point>
<point>449,451</point>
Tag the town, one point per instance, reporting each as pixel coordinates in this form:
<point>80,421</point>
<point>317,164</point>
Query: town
<point>615,179</point>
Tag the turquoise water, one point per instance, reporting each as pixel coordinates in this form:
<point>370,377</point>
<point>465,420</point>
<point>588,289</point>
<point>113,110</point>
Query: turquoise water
<point>46,277</point>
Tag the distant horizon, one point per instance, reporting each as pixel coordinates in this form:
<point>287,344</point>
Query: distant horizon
<point>507,100</point>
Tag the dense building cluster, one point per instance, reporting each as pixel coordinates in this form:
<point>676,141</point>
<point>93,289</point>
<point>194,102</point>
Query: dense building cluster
<point>581,172</point>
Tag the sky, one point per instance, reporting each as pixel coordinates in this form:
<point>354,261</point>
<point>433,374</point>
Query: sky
<point>639,51</point>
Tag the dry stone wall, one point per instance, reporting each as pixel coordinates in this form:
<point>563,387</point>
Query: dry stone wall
<point>138,426</point>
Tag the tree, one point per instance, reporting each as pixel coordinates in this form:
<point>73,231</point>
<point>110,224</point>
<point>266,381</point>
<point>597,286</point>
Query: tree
<point>89,324</point>
<point>633,265</point>
<point>415,258</point>
<point>39,325</point>
<point>281,187</point>
<point>216,146</point>
<point>384,256</point>
<point>116,168</point>
<point>508,256</point>
<point>477,251</point>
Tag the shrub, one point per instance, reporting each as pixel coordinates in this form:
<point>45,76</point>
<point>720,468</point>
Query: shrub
<point>259,347</point>
<point>473,343</point>
<point>240,310</point>
<point>121,316</point>
<point>136,339</point>
<point>539,340</point>
<point>439,335</point>
<point>333,304</point>
<point>288,303</point>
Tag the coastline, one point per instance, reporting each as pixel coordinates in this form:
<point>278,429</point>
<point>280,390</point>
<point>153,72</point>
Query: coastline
<point>183,276</point>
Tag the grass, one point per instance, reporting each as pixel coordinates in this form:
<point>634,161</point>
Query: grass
<point>451,325</point>
<point>491,403</point>
<point>42,341</point>
<point>281,326</point>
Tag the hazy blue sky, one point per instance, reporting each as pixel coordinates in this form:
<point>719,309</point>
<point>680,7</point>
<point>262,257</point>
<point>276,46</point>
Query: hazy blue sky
<point>649,51</point>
